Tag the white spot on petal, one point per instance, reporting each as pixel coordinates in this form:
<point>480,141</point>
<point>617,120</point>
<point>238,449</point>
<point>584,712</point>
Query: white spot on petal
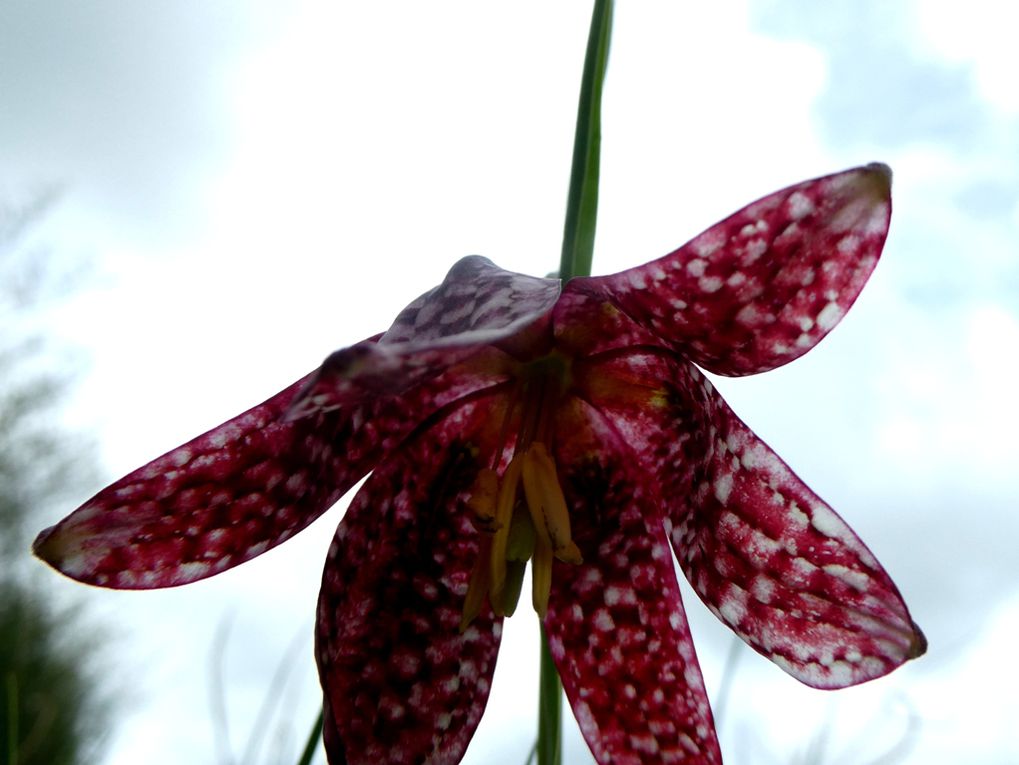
<point>848,244</point>
<point>723,486</point>
<point>797,517</point>
<point>855,579</point>
<point>732,608</point>
<point>763,588</point>
<point>749,315</point>
<point>709,284</point>
<point>603,620</point>
<point>830,315</point>
<point>754,249</point>
<point>708,243</point>
<point>799,205</point>
<point>637,280</point>
<point>644,743</point>
<point>824,520</point>
<point>696,267</point>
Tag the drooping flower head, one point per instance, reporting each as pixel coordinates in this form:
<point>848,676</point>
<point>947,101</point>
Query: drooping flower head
<point>509,420</point>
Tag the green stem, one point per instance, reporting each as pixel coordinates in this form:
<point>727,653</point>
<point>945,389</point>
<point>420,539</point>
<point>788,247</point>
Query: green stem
<point>578,250</point>
<point>582,203</point>
<point>550,709</point>
<point>313,738</point>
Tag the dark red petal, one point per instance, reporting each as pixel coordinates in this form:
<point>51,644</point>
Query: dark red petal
<point>765,285</point>
<point>231,493</point>
<point>478,305</point>
<point>616,625</point>
<point>328,389</point>
<point>764,552</point>
<point>403,685</point>
<point>781,568</point>
<point>587,324</point>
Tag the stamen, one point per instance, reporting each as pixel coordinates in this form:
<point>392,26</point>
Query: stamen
<point>541,578</point>
<point>478,587</point>
<point>513,533</point>
<point>547,504</point>
<point>482,500</point>
<point>503,515</point>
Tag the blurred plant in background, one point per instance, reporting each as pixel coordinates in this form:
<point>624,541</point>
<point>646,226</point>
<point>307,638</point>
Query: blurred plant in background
<point>54,702</point>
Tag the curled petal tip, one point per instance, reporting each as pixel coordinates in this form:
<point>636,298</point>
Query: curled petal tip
<point>51,546</point>
<point>880,175</point>
<point>919,645</point>
<point>60,550</point>
<point>882,169</point>
<point>40,547</point>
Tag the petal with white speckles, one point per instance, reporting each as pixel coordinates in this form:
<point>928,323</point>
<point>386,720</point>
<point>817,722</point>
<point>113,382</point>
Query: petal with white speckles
<point>779,566</point>
<point>478,306</point>
<point>766,554</point>
<point>797,257</point>
<point>615,623</point>
<point>404,684</point>
<point>214,502</point>
<point>235,491</point>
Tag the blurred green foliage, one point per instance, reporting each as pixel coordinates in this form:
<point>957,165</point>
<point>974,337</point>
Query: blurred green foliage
<point>54,707</point>
<point>51,709</point>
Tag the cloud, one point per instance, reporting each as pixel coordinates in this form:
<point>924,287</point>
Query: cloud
<point>123,102</point>
<point>885,86</point>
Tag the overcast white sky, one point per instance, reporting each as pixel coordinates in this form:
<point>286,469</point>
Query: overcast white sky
<point>258,183</point>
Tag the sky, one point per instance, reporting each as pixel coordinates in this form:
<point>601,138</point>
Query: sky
<point>251,185</point>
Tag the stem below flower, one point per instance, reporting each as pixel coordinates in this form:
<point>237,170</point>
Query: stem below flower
<point>550,712</point>
<point>578,250</point>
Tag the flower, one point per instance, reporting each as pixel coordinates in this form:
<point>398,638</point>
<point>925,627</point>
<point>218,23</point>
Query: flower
<point>509,419</point>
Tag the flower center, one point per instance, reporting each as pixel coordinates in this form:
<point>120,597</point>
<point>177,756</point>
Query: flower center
<point>522,512</point>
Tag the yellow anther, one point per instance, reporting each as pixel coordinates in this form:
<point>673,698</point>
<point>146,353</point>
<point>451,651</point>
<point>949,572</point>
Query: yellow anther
<point>503,514</point>
<point>541,578</point>
<point>482,500</point>
<point>478,587</point>
<point>522,512</point>
<point>547,504</point>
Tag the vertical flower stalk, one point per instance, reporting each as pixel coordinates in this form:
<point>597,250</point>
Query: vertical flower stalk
<point>578,250</point>
<point>582,202</point>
